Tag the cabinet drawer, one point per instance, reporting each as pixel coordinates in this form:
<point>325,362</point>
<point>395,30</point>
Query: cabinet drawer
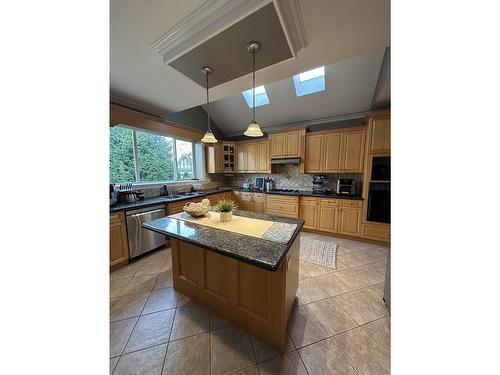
<point>308,200</point>
<point>259,197</point>
<point>283,206</point>
<point>351,203</point>
<point>376,231</point>
<point>328,202</point>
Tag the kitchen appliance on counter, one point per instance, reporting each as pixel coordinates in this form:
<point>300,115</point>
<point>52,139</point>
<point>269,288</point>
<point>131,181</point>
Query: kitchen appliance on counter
<point>246,184</point>
<point>113,195</point>
<point>319,184</point>
<point>126,194</point>
<point>268,184</point>
<point>346,186</point>
<point>259,183</point>
<point>142,240</point>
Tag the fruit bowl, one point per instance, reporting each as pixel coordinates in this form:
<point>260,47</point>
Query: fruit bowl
<point>197,209</point>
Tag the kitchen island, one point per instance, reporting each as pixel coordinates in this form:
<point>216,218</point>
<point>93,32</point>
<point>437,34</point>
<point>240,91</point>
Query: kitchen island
<point>246,273</point>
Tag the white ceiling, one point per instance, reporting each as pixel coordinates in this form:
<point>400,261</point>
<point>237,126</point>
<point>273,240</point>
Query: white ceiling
<point>349,88</point>
<point>337,30</point>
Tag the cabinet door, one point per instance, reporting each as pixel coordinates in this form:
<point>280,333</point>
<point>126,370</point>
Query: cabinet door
<point>219,158</point>
<point>277,141</point>
<point>353,151</point>
<point>380,135</point>
<point>259,202</point>
<point>314,153</point>
<point>327,218</point>
<point>332,153</point>
<point>308,212</point>
<point>118,246</point>
<point>262,157</point>
<point>236,197</point>
<point>210,156</point>
<point>246,202</point>
<point>348,221</point>
<point>241,160</point>
<point>292,143</point>
<point>251,156</point>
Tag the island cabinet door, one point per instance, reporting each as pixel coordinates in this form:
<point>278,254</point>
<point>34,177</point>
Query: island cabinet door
<point>118,245</point>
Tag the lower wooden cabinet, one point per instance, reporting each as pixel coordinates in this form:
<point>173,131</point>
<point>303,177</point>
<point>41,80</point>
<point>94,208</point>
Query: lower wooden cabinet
<point>309,212</point>
<point>376,231</point>
<point>259,202</point>
<point>331,215</point>
<point>118,245</point>
<point>348,221</point>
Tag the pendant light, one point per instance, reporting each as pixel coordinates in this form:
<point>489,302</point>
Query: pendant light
<point>209,136</point>
<point>253,129</point>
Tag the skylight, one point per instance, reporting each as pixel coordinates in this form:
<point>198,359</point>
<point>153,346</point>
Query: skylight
<point>310,82</point>
<point>260,96</point>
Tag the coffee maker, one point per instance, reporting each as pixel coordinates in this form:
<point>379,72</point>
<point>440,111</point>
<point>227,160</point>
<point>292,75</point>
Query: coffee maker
<point>319,184</point>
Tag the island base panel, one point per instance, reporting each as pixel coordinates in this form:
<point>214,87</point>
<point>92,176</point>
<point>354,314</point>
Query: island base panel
<point>255,299</point>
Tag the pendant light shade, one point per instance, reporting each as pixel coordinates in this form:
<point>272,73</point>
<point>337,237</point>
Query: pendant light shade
<point>209,136</point>
<point>253,129</point>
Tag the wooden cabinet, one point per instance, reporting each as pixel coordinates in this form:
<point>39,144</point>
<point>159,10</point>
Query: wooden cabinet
<point>376,231</point>
<point>282,205</point>
<point>353,151</point>
<point>118,244</point>
<point>252,157</point>
<point>348,221</point>
<point>332,156</point>
<point>287,144</point>
<point>309,212</point>
<point>314,153</point>
<point>332,215</point>
<point>262,157</point>
<point>214,158</point>
<point>259,202</point>
<point>379,133</point>
<point>277,141</point>
<point>246,202</point>
<point>338,151</point>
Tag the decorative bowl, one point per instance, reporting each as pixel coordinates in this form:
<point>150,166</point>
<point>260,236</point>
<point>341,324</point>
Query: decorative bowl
<point>197,209</point>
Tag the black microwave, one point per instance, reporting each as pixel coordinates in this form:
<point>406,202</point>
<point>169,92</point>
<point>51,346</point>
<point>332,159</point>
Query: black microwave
<point>381,168</point>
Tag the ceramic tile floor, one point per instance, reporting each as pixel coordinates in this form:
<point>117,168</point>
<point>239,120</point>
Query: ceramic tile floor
<point>339,325</point>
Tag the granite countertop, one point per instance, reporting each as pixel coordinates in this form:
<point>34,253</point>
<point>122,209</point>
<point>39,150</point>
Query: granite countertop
<point>303,193</point>
<point>162,200</point>
<point>263,253</point>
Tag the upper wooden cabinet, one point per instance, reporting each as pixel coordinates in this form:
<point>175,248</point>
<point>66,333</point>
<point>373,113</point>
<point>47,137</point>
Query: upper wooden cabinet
<point>353,152</point>
<point>287,144</point>
<point>379,132</point>
<point>331,157</point>
<point>335,151</point>
<point>252,157</point>
<point>313,159</point>
<point>214,158</point>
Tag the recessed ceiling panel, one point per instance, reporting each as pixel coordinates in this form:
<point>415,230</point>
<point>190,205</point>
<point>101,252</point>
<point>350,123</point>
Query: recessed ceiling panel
<point>226,52</point>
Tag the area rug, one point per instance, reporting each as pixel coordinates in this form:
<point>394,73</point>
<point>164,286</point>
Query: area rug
<point>322,253</point>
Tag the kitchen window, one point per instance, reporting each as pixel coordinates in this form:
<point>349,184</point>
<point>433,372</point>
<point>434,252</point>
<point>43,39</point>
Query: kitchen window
<point>146,157</point>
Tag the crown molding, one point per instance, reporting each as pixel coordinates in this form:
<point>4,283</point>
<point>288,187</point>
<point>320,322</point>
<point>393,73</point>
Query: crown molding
<point>307,123</point>
<point>214,16</point>
<point>291,19</point>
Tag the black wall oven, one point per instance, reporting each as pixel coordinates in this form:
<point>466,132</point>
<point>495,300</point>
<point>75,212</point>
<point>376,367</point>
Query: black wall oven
<point>381,168</point>
<point>379,202</point>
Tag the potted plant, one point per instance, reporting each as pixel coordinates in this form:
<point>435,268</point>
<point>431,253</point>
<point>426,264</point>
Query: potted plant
<point>225,207</point>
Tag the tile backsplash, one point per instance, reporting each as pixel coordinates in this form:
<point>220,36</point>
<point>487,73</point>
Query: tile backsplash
<point>288,176</point>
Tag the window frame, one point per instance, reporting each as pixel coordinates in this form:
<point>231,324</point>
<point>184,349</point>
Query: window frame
<point>137,181</point>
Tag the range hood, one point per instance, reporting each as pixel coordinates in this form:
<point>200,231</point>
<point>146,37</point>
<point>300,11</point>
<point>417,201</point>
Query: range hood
<point>285,161</point>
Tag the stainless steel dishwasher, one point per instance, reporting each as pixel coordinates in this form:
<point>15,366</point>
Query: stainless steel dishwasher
<point>142,240</point>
